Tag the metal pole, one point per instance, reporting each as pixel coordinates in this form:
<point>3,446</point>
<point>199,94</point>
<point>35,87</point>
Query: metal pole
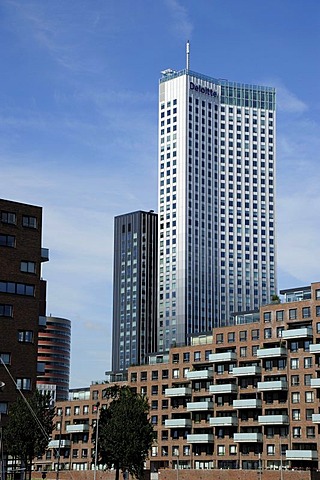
<point>96,443</point>
<point>59,446</point>
<point>281,466</point>
<point>178,466</point>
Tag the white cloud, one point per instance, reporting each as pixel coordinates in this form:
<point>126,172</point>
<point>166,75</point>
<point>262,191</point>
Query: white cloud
<point>182,24</point>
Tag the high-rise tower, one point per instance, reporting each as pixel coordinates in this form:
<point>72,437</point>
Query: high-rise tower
<point>216,202</point>
<point>134,289</point>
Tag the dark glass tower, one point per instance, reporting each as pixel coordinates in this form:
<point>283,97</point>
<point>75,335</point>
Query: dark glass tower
<point>134,288</point>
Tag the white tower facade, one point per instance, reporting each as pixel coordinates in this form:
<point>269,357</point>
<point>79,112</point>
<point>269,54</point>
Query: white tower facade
<point>217,251</point>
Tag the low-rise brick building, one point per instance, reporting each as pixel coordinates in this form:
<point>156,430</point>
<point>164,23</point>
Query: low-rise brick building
<point>245,397</point>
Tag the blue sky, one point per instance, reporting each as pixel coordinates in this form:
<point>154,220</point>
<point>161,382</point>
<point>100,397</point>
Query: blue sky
<point>78,129</point>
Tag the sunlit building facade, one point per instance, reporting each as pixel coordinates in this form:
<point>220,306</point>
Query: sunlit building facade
<point>217,252</point>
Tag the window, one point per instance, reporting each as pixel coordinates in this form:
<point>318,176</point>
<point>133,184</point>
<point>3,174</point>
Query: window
<point>165,404</point>
<point>317,294</point>
<point>255,350</point>
<point>154,405</point>
<point>306,312</point>
<point>267,333</point>
<point>186,356</point>
<point>175,373</point>
<point>186,450</point>
<point>292,313</point>
<point>5,358</point>
<point>28,221</point>
<point>270,449</point>
<point>311,432</point>
<point>7,241</point>
<point>76,410</point>
<point>219,337</point>
<point>154,375</point>
<point>243,336</point>
<point>8,217</point>
<point>279,315</point>
<point>255,334</point>
<point>295,414</point>
<point>154,419</point>
<point>267,317</point>
<point>309,397</point>
<point>296,432</point>
<point>23,383</point>
<point>233,449</point>
<point>307,380</point>
<point>197,356</point>
<point>85,409</point>
<point>295,397</point>
<point>279,331</point>
<point>25,336</point>
<point>143,376</point>
<point>75,453</point>
<point>175,358</point>
<point>17,288</point>
<point>221,449</point>
<point>28,267</point>
<point>243,351</point>
<point>154,451</point>
<point>295,382</point>
<point>309,413</point>
<point>307,362</point>
<point>6,310</point>
<point>294,363</point>
<point>231,337</point>
<point>67,411</point>
<point>165,374</point>
<point>154,390</point>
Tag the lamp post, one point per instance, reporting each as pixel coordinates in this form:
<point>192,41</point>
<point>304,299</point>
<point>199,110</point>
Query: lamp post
<point>96,443</point>
<point>59,446</point>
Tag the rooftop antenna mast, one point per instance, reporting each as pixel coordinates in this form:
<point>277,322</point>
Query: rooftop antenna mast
<point>188,55</point>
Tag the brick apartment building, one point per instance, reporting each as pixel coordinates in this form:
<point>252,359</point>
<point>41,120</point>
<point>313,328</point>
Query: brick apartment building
<point>245,397</point>
<point>22,298</point>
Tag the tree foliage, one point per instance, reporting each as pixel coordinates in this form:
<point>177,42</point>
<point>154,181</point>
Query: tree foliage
<point>24,439</point>
<point>125,433</point>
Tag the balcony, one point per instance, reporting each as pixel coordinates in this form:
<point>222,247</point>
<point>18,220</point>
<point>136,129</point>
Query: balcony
<point>224,422</point>
<point>178,423</point>
<point>200,438</point>
<point>273,419</point>
<point>80,428</point>
<point>301,455</point>
<point>199,406</point>
<point>222,357</point>
<point>177,392</point>
<point>272,352</point>
<point>44,254</point>
<point>59,443</point>
<point>247,437</point>
<point>279,385</point>
<point>223,388</point>
<point>315,382</point>
<point>316,417</point>
<point>315,348</point>
<point>295,333</point>
<point>247,403</point>
<point>250,370</point>
<point>200,375</point>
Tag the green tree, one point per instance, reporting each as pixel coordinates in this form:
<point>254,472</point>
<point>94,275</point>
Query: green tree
<point>125,433</point>
<point>28,430</point>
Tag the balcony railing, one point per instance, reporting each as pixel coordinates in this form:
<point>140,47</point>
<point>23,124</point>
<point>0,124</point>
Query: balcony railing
<point>247,403</point>
<point>199,406</point>
<point>223,388</point>
<point>223,357</point>
<point>177,392</point>
<point>250,370</point>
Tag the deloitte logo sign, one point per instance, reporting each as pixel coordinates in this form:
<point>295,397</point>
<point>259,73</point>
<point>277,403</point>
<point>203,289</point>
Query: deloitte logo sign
<point>204,90</point>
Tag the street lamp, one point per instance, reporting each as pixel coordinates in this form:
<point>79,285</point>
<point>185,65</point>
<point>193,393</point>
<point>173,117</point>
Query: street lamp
<point>59,447</point>
<point>96,442</point>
